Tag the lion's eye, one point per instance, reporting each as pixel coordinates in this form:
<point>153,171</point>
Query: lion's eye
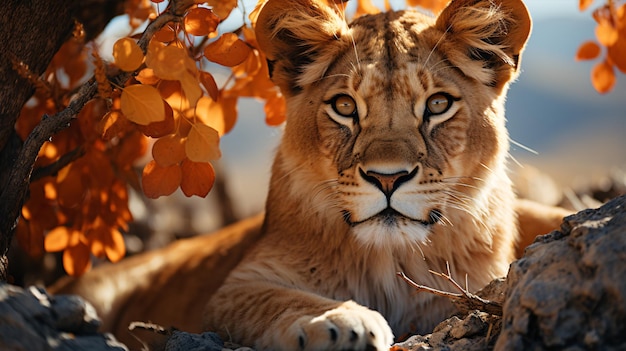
<point>438,104</point>
<point>344,105</point>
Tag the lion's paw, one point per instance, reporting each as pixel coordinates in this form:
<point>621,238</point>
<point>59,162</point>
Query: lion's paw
<point>347,327</point>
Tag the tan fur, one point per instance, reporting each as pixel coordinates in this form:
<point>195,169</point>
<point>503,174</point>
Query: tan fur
<point>535,219</point>
<point>321,274</point>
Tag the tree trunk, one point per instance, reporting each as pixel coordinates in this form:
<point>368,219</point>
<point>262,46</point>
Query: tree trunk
<point>32,32</point>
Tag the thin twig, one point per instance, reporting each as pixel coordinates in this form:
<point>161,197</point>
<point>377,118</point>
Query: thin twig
<point>151,327</point>
<point>464,302</point>
<point>424,288</point>
<point>155,328</point>
<point>56,166</point>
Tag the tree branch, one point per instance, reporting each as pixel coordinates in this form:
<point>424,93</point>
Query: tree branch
<point>55,167</point>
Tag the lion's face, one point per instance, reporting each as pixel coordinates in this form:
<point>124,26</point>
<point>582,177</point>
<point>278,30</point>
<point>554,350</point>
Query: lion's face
<point>397,130</point>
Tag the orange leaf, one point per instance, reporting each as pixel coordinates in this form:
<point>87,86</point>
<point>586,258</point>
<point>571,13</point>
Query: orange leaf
<point>617,51</point>
<point>167,62</point>
<point>258,85</point>
<point>168,150</point>
<point>71,57</point>
<point>228,50</point>
<point>70,188</point>
<point>162,128</point>
<point>589,50</point>
<point>603,77</point>
<point>165,34</point>
<point>142,104</point>
<point>365,7</point>
<point>133,146</point>
<point>198,178</point>
<point>254,15</point>
<point>76,259</point>
<point>114,245</point>
<point>191,88</point>
<point>201,21</point>
<point>208,82</point>
<point>606,33</point>
<point>57,239</point>
<point>159,181</point>
<point>146,76</point>
<point>250,66</point>
<point>249,36</point>
<point>113,124</point>
<point>275,110</point>
<point>96,243</point>
<point>220,115</point>
<point>108,121</point>
<point>127,54</point>
<point>185,126</point>
<point>202,143</point>
<point>171,91</point>
<point>222,8</point>
<point>229,108</point>
<point>210,113</point>
<point>584,4</point>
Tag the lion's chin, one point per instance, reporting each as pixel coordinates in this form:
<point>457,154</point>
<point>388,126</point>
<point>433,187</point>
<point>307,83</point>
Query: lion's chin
<point>389,229</point>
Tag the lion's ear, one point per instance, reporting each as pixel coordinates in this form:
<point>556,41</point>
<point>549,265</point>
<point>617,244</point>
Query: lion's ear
<point>492,32</point>
<point>295,33</point>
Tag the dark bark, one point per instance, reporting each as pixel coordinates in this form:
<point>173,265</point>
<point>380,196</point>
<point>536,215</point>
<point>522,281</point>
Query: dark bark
<point>31,32</point>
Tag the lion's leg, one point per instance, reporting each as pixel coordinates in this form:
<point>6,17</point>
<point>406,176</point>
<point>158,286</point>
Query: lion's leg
<point>536,219</point>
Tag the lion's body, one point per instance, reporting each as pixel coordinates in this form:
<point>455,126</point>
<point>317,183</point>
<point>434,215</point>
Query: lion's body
<point>393,160</point>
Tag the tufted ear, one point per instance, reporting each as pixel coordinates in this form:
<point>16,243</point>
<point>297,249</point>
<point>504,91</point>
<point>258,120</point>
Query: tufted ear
<point>297,37</point>
<point>492,33</point>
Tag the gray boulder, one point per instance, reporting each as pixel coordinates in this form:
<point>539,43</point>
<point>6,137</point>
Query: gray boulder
<point>568,292</point>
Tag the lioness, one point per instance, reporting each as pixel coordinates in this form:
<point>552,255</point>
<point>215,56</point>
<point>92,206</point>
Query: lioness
<point>393,159</point>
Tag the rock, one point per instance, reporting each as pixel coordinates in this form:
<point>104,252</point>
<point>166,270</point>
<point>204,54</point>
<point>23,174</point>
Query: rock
<point>75,315</point>
<point>33,320</point>
<point>568,291</point>
<point>475,332</point>
<point>182,341</point>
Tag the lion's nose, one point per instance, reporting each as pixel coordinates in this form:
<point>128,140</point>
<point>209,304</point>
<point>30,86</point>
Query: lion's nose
<point>387,183</point>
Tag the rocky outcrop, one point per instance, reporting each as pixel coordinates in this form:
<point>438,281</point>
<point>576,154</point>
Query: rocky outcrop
<point>474,332</point>
<point>32,320</point>
<point>569,289</point>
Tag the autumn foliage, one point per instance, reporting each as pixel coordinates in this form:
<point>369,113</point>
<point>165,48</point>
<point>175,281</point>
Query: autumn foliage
<point>610,35</point>
<point>172,106</point>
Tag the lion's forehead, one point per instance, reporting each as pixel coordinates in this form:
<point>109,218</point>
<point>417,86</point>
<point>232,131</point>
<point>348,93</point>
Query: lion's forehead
<point>392,55</point>
<point>407,83</point>
<point>393,39</point>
